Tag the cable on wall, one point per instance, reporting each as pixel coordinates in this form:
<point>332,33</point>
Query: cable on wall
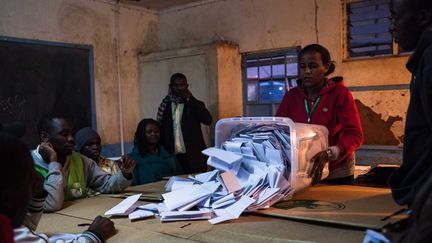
<point>316,21</point>
<point>117,60</point>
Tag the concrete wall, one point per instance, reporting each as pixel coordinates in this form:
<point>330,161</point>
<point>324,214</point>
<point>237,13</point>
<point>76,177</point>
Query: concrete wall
<point>213,73</point>
<point>257,25</point>
<point>198,64</point>
<point>230,103</point>
<point>92,22</point>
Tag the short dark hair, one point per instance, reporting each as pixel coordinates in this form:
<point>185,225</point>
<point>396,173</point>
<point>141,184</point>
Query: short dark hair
<point>325,55</point>
<point>45,123</point>
<point>176,76</point>
<point>139,139</point>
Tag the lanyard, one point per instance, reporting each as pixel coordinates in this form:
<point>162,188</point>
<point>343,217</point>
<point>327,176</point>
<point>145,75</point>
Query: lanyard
<point>173,110</point>
<point>309,113</point>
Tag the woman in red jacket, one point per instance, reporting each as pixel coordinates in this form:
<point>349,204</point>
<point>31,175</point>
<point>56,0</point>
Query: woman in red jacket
<point>323,101</point>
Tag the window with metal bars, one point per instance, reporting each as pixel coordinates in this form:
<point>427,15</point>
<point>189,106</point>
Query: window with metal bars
<point>266,78</point>
<point>368,24</point>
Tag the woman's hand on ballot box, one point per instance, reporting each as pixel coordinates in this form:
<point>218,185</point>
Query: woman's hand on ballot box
<point>319,161</point>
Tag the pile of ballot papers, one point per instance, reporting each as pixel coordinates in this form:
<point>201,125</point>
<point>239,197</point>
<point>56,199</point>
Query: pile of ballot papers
<point>252,171</point>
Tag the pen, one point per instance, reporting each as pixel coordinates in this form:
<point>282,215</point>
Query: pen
<point>185,225</point>
<point>83,224</point>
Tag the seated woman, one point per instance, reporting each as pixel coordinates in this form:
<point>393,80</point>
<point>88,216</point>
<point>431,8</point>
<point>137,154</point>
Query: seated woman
<point>327,102</point>
<point>152,160</point>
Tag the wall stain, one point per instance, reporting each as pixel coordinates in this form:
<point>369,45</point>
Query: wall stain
<point>151,39</point>
<point>72,16</point>
<point>376,130</point>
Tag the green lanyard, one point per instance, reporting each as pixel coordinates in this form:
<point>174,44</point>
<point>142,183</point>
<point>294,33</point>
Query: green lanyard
<point>173,110</point>
<point>309,113</point>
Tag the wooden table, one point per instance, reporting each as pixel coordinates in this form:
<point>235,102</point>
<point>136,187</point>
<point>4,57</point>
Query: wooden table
<point>248,228</point>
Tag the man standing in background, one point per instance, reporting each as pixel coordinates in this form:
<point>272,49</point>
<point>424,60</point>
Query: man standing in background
<point>180,115</point>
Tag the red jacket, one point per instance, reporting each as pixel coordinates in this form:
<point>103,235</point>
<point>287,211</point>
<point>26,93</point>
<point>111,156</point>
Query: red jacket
<point>6,231</point>
<point>335,110</point>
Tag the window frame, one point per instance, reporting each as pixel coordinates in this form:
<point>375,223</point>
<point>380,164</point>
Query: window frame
<point>248,57</point>
<point>396,50</point>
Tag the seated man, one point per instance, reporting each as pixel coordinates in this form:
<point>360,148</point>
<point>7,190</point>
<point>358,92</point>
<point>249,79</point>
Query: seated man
<point>88,143</point>
<point>21,194</point>
<point>68,174</point>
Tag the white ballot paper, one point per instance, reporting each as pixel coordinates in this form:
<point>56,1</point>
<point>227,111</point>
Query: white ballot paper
<point>206,177</point>
<point>252,173</point>
<point>140,214</point>
<point>152,207</point>
<point>233,147</point>
<point>187,215</point>
<point>232,212</point>
<point>177,182</point>
<point>223,160</point>
<point>187,195</point>
<point>125,207</point>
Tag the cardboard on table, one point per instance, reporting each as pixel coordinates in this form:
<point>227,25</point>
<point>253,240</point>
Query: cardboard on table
<point>357,206</point>
<point>249,228</point>
<point>54,223</point>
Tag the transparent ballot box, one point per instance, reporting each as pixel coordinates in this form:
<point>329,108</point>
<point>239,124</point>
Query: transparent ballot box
<point>303,142</point>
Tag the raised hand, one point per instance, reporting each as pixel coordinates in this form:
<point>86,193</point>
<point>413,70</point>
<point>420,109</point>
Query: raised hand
<point>127,165</point>
<point>186,94</point>
<point>46,150</point>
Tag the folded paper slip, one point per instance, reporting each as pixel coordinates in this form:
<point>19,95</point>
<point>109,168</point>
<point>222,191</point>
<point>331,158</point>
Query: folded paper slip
<point>185,196</point>
<point>125,207</point>
<point>186,215</point>
<point>232,212</point>
<point>223,160</point>
<point>140,214</point>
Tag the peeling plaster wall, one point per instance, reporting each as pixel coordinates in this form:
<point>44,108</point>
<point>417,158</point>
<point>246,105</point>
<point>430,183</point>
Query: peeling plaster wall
<point>92,22</point>
<point>257,25</point>
<point>387,126</point>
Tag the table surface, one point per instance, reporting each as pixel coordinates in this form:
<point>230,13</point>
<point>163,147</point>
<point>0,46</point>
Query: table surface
<point>249,227</point>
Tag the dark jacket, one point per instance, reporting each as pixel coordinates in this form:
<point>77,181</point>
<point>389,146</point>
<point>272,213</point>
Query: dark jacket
<point>194,113</point>
<point>335,110</point>
<point>417,151</point>
<point>417,228</point>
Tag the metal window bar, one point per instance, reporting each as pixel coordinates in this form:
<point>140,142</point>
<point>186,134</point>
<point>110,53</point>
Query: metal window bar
<point>368,28</point>
<point>270,60</point>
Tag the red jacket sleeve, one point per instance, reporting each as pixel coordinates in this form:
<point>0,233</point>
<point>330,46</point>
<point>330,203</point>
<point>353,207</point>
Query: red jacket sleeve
<point>351,134</point>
